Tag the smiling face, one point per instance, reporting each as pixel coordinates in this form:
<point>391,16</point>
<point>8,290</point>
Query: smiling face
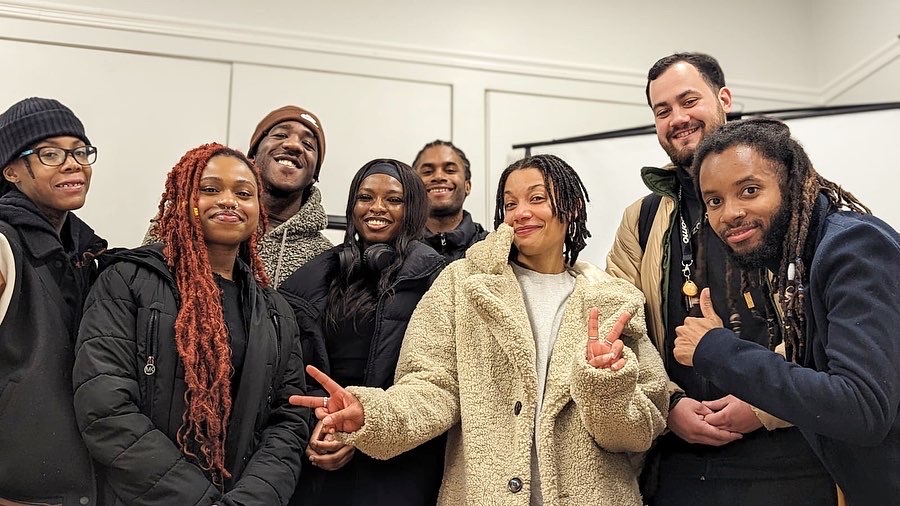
<point>228,205</point>
<point>379,209</point>
<point>685,110</point>
<point>54,190</point>
<point>743,194</point>
<point>287,158</point>
<point>444,176</point>
<point>539,235</point>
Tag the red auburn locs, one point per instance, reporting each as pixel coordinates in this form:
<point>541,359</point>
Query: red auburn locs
<point>201,337</point>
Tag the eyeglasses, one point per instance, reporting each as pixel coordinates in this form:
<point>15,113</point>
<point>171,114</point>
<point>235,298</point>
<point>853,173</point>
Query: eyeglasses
<point>54,157</point>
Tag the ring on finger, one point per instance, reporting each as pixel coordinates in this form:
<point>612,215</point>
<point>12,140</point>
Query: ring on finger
<point>607,342</point>
<point>325,402</point>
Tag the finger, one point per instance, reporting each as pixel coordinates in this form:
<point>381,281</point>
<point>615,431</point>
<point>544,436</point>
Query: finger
<point>311,453</point>
<point>706,305</point>
<point>718,440</point>
<point>317,433</point>
<point>337,460</point>
<point>719,419</point>
<point>684,352</point>
<point>616,331</point>
<point>593,325</point>
<point>703,411</point>
<point>307,401</point>
<point>718,437</point>
<point>327,383</point>
<point>619,364</point>
<point>324,447</point>
<point>717,404</point>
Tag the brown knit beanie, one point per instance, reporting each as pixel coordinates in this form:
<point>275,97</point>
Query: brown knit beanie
<point>290,113</point>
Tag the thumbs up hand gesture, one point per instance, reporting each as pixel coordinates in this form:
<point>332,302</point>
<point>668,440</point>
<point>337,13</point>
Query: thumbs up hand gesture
<point>688,336</point>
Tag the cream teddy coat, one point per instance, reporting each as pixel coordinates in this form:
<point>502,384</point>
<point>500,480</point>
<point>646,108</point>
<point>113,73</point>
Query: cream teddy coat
<point>468,365</point>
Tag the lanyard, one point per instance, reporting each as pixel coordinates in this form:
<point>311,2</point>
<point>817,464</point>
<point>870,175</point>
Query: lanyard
<point>689,288</point>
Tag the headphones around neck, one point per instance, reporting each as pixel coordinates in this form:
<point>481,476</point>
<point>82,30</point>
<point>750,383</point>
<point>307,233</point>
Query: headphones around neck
<point>375,258</point>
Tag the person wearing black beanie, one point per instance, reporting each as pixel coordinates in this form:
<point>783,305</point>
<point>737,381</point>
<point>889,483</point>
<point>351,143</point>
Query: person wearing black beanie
<point>48,259</point>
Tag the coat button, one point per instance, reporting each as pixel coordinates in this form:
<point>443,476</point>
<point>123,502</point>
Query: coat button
<point>514,485</point>
<point>517,408</point>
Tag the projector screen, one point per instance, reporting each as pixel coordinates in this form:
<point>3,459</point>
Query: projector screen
<point>851,149</point>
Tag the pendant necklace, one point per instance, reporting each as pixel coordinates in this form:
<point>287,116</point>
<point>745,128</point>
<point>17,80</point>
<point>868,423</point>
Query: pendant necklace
<point>688,288</point>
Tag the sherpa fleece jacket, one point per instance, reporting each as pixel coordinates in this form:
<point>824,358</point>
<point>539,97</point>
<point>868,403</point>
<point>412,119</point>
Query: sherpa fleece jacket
<point>468,365</point>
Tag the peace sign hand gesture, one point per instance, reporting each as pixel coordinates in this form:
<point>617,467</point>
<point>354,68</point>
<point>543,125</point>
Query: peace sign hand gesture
<point>341,411</point>
<point>606,353</point>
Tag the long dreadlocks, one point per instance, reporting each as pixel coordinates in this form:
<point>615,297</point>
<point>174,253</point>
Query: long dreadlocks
<point>568,199</point>
<point>201,337</point>
<point>801,186</point>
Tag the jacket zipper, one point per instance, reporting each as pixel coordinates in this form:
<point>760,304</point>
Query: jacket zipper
<point>150,366</point>
<point>277,340</point>
<point>379,306</point>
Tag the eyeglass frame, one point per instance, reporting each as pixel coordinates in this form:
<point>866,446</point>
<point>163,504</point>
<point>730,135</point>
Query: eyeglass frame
<point>68,152</point>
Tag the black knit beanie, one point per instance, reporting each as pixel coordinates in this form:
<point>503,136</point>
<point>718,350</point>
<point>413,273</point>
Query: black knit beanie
<point>32,120</point>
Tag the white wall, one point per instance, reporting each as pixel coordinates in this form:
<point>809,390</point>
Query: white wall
<point>152,79</point>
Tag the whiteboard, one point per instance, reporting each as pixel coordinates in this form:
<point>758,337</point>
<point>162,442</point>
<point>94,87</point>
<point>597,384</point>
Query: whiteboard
<point>852,150</point>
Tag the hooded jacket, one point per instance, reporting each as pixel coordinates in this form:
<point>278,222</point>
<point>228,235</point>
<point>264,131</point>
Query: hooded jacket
<point>409,479</point>
<point>43,458</point>
<point>453,244</point>
<point>468,365</point>
<point>130,413</point>
<point>296,241</point>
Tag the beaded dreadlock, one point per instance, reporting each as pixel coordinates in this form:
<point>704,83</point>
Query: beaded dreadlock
<point>801,185</point>
<point>568,199</point>
<point>459,153</point>
<point>201,338</point>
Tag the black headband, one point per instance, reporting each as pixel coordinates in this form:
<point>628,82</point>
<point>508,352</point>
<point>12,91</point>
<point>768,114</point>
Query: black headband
<point>382,168</point>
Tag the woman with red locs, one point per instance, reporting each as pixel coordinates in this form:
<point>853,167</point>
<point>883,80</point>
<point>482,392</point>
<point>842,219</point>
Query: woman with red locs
<point>185,356</point>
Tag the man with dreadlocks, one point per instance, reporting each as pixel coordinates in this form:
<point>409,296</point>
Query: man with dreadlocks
<point>505,351</point>
<point>447,175</point>
<point>719,447</point>
<point>185,357</point>
<point>836,292</point>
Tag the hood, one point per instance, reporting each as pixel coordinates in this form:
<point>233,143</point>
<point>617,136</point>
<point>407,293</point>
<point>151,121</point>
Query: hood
<point>310,219</point>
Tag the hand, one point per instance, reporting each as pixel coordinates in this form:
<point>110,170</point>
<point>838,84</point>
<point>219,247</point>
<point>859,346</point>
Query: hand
<point>341,411</point>
<point>606,353</point>
<point>687,419</point>
<point>732,414</point>
<point>688,336</point>
<point>325,452</point>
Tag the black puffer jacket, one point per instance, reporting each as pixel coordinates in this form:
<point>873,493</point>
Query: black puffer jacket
<point>129,413</point>
<point>453,244</point>
<point>42,456</point>
<point>414,477</point>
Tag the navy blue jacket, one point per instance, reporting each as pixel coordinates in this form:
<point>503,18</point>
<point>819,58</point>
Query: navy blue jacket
<point>845,397</point>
